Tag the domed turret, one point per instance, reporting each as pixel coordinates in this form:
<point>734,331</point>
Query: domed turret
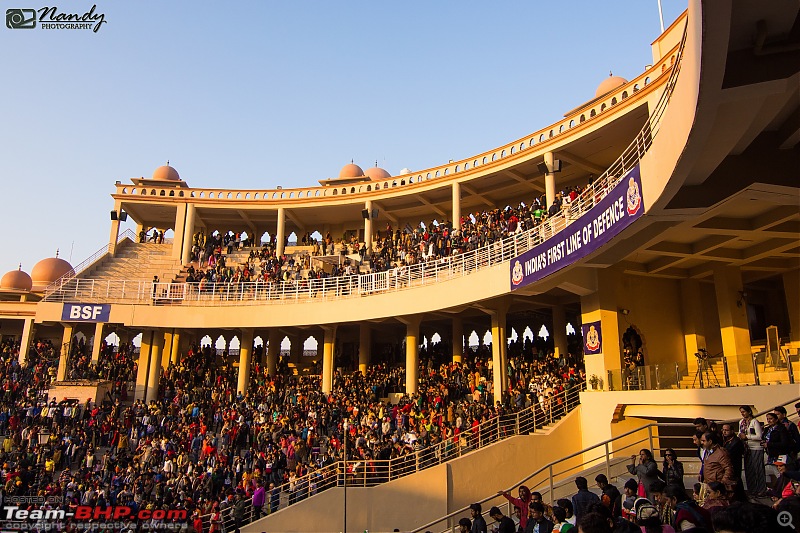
<point>47,271</point>
<point>16,280</point>
<point>351,170</point>
<point>376,173</point>
<point>166,173</point>
<point>609,84</point>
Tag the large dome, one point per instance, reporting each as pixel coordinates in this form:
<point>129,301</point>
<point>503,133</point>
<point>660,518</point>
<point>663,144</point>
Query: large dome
<point>351,170</point>
<point>166,173</point>
<point>16,280</point>
<point>377,174</point>
<point>609,84</point>
<point>48,270</point>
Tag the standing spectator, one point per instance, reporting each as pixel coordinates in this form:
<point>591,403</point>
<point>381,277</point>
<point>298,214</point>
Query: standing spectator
<point>718,466</point>
<point>537,522</point>
<point>478,522</point>
<point>583,498</point>
<point>736,449</point>
<point>522,502</point>
<point>646,471</point>
<point>259,497</point>
<point>791,428</point>
<point>672,472</point>
<point>504,523</point>
<point>750,433</point>
<point>611,497</point>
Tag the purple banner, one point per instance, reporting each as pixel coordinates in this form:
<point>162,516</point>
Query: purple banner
<point>615,212</point>
<point>592,338</point>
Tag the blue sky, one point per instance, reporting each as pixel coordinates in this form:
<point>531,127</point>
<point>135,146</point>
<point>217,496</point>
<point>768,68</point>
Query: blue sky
<point>259,94</point>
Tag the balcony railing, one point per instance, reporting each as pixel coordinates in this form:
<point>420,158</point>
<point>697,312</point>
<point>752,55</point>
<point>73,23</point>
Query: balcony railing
<point>373,472</point>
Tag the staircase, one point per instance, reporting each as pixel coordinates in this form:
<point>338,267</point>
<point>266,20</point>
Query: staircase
<point>136,262</point>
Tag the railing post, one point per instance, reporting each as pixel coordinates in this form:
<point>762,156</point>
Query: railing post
<point>788,368</point>
<point>650,435</point>
<point>516,423</point>
<point>552,500</point>
<point>755,369</point>
<point>608,463</point>
<point>677,376</point>
<point>728,377</point>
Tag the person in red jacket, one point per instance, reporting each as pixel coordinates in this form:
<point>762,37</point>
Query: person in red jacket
<point>523,502</point>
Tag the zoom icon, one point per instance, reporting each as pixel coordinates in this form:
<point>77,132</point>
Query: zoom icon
<point>20,19</point>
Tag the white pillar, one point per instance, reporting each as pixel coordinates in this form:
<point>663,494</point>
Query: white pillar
<point>66,344</point>
<point>499,352</point>
<point>456,205</point>
<point>155,366</point>
<point>112,238</point>
<point>98,341</point>
<point>364,347</point>
<point>175,348</point>
<point>732,310</point>
<point>143,370</point>
<point>280,239</point>
<point>412,354</point>
<point>559,330</point>
<point>549,180</point>
<point>327,358</point>
<point>188,233</point>
<point>368,227</point>
<point>25,341</point>
<point>245,349</point>
<point>273,349</point>
<point>458,339</point>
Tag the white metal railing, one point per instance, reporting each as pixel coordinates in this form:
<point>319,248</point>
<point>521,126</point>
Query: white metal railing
<point>360,285</point>
<point>89,261</point>
<point>602,456</point>
<point>373,472</point>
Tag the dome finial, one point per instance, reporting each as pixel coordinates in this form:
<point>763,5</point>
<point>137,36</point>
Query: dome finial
<point>57,253</point>
<point>167,162</point>
<point>20,266</point>
<point>609,75</point>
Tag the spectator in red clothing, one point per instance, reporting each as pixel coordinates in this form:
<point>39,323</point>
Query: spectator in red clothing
<point>522,502</point>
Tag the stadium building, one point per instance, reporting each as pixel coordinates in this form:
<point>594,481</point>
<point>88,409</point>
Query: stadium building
<point>676,224</point>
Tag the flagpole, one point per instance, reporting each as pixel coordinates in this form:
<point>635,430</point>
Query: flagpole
<point>661,16</point>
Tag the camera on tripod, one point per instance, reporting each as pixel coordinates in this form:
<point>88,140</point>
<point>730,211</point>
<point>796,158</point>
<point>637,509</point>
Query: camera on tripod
<point>701,354</point>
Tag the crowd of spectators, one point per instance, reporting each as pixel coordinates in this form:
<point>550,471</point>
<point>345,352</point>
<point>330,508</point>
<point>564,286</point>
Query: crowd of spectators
<point>221,456</point>
<point>392,248</point>
<point>748,481</point>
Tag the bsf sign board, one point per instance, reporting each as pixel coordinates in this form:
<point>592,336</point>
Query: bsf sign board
<point>612,214</point>
<point>86,312</point>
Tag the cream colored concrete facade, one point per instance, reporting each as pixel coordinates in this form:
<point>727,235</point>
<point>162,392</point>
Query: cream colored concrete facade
<point>713,260</point>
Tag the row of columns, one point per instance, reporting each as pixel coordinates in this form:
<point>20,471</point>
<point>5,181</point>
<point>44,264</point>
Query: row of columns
<point>185,219</point>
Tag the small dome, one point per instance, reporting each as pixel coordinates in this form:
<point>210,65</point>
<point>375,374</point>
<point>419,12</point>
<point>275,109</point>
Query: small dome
<point>166,173</point>
<point>377,174</point>
<point>49,270</point>
<point>405,171</point>
<point>609,84</point>
<point>16,280</point>
<point>351,170</point>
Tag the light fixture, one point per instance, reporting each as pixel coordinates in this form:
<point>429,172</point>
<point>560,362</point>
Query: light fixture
<point>544,169</point>
<point>625,312</point>
<point>742,298</point>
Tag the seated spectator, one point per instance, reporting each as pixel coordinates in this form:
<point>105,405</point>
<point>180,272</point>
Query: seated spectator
<point>687,513</point>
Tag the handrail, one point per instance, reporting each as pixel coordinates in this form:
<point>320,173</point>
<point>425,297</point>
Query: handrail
<point>594,447</point>
<point>398,278</point>
<point>83,265</point>
<point>486,433</point>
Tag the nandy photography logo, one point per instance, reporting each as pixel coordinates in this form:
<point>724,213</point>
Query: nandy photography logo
<point>50,18</point>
